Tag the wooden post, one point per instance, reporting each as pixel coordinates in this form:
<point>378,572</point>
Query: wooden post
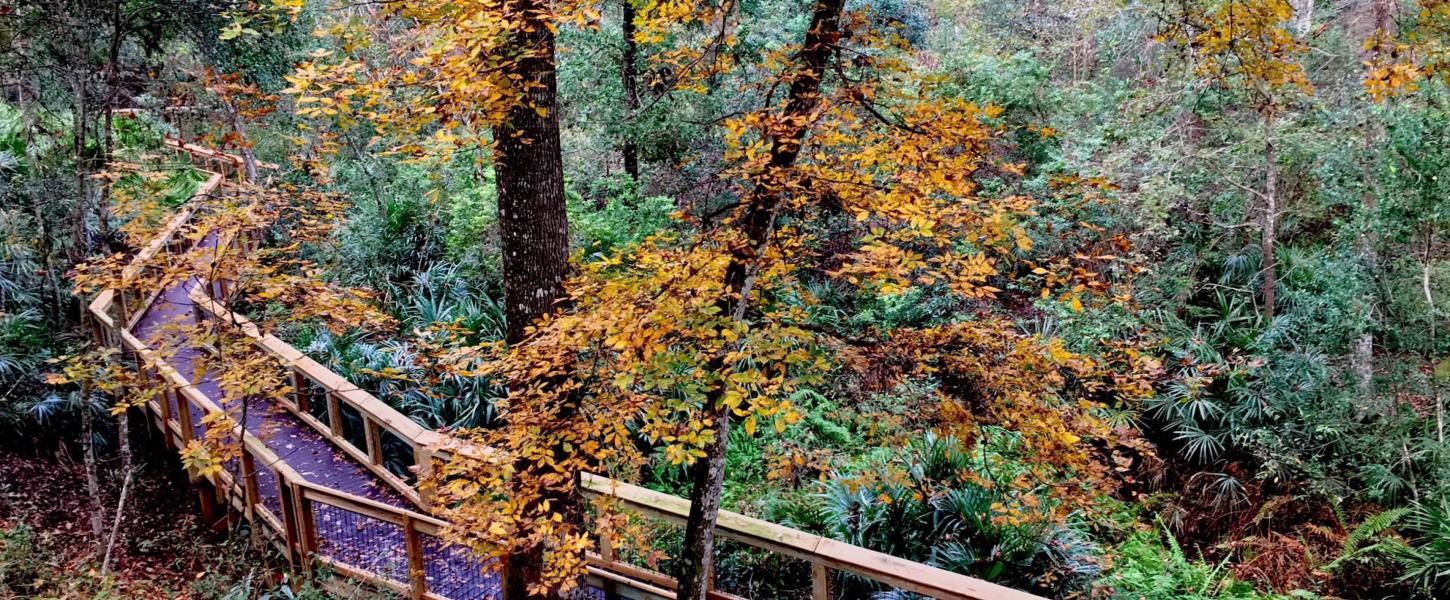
<point>98,330</point>
<point>296,557</point>
<point>121,304</point>
<point>334,415</point>
<point>606,552</point>
<point>306,526</point>
<point>183,413</point>
<point>210,509</point>
<point>166,416</point>
<point>250,495</point>
<point>417,569</point>
<point>300,392</point>
<point>374,437</point>
<point>820,582</point>
<point>423,462</point>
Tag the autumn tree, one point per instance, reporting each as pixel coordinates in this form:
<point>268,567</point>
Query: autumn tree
<point>673,341</point>
<point>1248,46</point>
<point>464,69</point>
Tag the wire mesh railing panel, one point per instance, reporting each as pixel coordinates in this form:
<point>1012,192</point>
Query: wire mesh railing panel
<point>457,573</point>
<point>750,572</point>
<point>317,401</point>
<point>353,428</point>
<point>173,400</point>
<point>360,541</point>
<point>313,396</point>
<point>398,456</point>
<point>268,492</point>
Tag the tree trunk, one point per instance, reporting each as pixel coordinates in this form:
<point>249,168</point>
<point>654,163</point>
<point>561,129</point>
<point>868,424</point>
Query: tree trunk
<point>628,72</point>
<point>249,159</point>
<point>530,177</point>
<point>707,476</point>
<point>533,222</point>
<point>80,210</point>
<point>1425,267</point>
<point>93,479</point>
<point>123,441</point>
<point>1303,16</point>
<point>113,65</point>
<point>1269,219</point>
<point>1362,357</point>
<point>29,98</point>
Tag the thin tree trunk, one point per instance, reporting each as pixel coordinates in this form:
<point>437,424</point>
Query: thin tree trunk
<point>1432,311</point>
<point>1269,219</point>
<point>533,222</point>
<point>249,159</point>
<point>29,98</point>
<point>116,525</point>
<point>1303,16</point>
<point>93,479</point>
<point>1362,358</point>
<point>628,71</point>
<point>81,210</point>
<point>123,440</point>
<point>707,476</point>
<point>113,65</point>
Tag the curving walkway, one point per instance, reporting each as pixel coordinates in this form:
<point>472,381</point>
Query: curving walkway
<point>343,535</point>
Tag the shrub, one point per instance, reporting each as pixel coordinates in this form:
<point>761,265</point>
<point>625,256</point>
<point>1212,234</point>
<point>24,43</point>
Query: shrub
<point>1148,569</point>
<point>940,503</point>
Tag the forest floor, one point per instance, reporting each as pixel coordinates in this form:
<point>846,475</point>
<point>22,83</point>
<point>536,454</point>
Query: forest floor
<point>162,550</point>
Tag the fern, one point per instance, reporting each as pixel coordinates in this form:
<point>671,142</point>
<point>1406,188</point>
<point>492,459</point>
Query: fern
<point>1373,526</point>
<point>1369,529</point>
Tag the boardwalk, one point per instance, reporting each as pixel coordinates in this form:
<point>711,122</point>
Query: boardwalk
<point>343,535</point>
<point>328,474</point>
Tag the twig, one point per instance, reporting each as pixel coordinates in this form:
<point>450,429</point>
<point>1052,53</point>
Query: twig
<point>116,524</point>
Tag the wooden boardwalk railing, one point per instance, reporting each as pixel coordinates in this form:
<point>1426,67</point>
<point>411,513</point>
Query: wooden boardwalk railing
<point>407,554</point>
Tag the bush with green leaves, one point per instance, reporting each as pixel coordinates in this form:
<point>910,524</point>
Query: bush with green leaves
<point>1152,566</point>
<point>943,503</point>
<point>24,341</point>
<point>1415,539</point>
<point>625,218</point>
<point>20,560</point>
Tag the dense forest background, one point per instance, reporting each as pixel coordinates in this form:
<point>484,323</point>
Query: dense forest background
<point>1092,298</point>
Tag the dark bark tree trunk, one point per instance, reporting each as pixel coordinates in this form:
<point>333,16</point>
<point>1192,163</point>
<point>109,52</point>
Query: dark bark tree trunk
<point>533,221</point>
<point>112,76</point>
<point>629,75</point>
<point>707,476</point>
<point>29,100</point>
<point>530,177</point>
<point>80,210</point>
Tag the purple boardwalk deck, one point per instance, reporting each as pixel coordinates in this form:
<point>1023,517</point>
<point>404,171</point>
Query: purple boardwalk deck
<point>343,535</point>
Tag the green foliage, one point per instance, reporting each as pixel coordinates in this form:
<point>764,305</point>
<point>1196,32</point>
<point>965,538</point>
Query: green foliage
<point>391,371</point>
<point>138,134</point>
<point>1426,561</point>
<point>386,243</point>
<point>24,343</point>
<point>927,503</point>
<point>1147,568</point>
<point>624,219</point>
<point>20,560</point>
